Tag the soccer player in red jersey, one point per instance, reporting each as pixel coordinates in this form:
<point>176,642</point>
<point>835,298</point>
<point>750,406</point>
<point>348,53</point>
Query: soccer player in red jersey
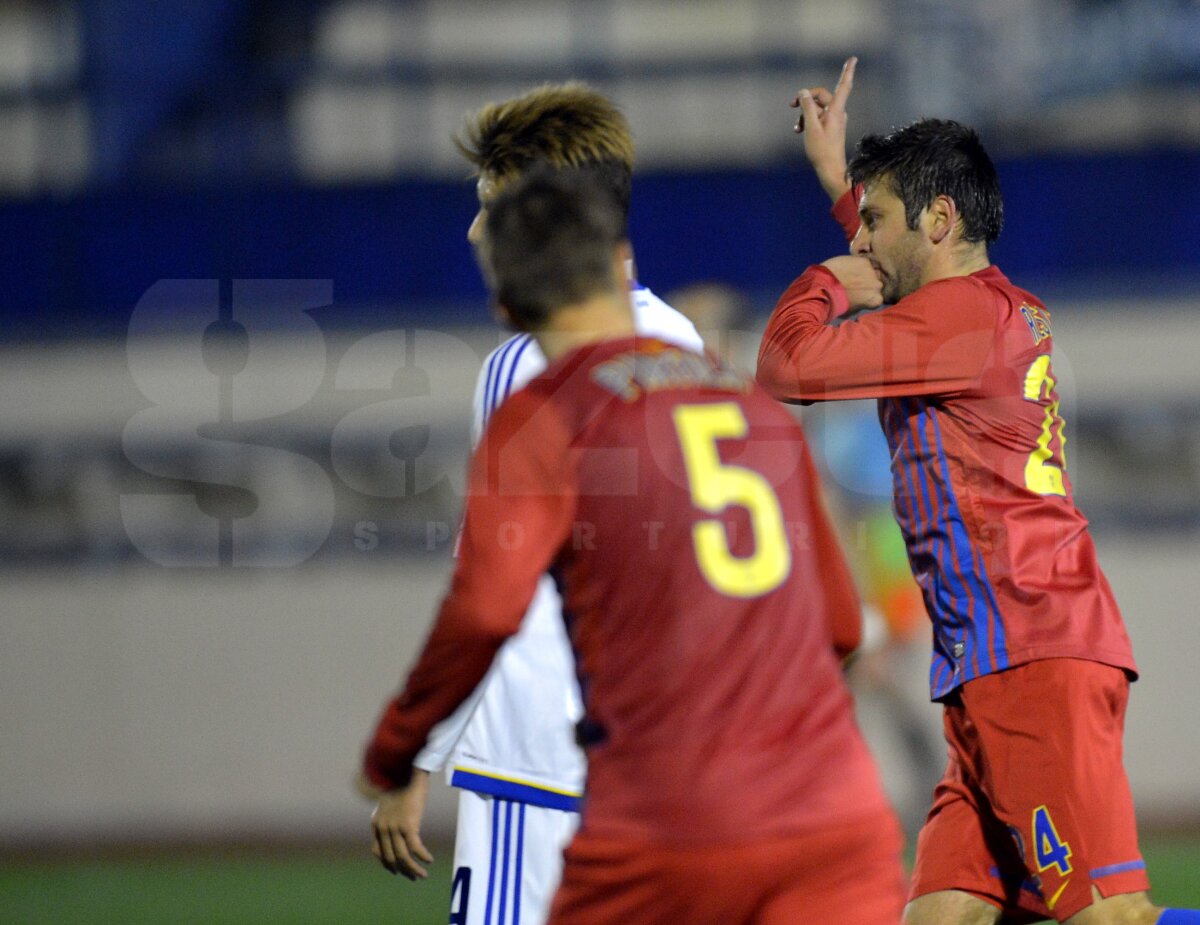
<point>509,750</point>
<point>1031,661</point>
<point>677,506</point>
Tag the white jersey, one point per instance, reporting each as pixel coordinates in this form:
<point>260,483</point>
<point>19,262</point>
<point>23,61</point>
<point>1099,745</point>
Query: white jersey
<point>514,737</point>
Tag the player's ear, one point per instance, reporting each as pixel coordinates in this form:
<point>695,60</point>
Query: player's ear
<point>942,216</point>
<point>503,316</point>
<point>507,318</point>
<point>623,261</point>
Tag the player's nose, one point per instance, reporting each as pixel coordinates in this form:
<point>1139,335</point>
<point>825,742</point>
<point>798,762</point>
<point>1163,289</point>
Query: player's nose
<point>475,231</point>
<point>860,244</point>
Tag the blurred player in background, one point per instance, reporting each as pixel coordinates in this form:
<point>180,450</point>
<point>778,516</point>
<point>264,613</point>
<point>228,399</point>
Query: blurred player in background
<point>721,313</point>
<point>1031,661</point>
<point>727,780</point>
<point>510,748</point>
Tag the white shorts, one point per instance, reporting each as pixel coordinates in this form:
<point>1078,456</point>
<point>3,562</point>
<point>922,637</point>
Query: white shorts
<point>507,860</point>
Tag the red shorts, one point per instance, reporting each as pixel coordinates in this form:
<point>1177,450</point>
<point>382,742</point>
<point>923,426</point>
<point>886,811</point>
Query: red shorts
<point>1035,808</point>
<point>851,875</point>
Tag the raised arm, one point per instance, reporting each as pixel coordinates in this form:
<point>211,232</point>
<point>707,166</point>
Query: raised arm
<point>822,121</point>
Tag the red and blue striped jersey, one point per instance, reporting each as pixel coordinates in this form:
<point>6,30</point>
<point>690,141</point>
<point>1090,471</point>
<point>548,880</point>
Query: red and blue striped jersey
<point>962,372</point>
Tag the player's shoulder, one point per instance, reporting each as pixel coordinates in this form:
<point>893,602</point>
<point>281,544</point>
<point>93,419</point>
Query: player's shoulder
<point>520,352</point>
<point>1014,305</point>
<point>973,284</point>
<point>972,300</point>
<point>505,370</point>
<point>531,417</point>
<point>655,318</point>
<point>990,282</point>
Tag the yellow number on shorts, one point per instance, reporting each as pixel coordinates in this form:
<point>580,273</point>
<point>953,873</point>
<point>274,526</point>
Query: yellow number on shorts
<point>714,486</point>
<point>1041,475</point>
<point>1048,847</point>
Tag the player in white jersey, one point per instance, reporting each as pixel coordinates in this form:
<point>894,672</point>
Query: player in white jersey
<point>510,747</point>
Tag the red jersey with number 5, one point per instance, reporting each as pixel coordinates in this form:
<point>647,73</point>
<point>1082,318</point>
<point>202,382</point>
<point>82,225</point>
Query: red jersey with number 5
<point>962,370</point>
<point>677,506</point>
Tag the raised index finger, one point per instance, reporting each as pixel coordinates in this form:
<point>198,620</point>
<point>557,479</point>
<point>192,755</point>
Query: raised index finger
<point>845,84</point>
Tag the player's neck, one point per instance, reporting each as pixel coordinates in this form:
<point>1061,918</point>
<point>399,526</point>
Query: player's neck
<point>598,318</point>
<point>962,260</point>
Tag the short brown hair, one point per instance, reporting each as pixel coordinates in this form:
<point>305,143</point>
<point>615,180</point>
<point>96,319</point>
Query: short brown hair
<point>550,242</point>
<point>930,158</point>
<point>567,125</point>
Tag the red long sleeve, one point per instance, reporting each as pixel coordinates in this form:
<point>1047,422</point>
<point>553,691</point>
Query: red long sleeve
<point>845,211</point>
<point>518,513</point>
<point>935,341</point>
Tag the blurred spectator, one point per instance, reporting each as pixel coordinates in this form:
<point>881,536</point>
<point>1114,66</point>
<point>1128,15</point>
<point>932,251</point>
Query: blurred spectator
<point>721,313</point>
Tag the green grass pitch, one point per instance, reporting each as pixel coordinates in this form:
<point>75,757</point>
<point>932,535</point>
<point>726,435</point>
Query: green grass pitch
<point>342,886</point>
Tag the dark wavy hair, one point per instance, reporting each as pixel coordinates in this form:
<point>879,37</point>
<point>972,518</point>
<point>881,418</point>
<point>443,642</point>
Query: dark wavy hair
<point>931,158</point>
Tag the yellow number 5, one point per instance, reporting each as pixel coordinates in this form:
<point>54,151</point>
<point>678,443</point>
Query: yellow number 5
<point>1041,475</point>
<point>714,486</point>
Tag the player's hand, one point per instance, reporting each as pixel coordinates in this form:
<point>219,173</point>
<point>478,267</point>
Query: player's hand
<point>366,787</point>
<point>823,124</point>
<point>862,284</point>
<point>396,825</point>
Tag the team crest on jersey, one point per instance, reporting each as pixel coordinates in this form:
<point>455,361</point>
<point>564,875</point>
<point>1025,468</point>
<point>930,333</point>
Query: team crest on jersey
<point>1038,320</point>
